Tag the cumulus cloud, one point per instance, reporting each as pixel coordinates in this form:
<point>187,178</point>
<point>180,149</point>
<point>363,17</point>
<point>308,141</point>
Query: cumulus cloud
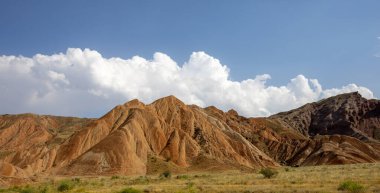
<point>84,83</point>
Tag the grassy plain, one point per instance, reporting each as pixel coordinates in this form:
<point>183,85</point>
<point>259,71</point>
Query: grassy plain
<point>320,179</point>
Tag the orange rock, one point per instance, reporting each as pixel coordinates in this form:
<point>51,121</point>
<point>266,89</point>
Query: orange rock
<point>134,138</point>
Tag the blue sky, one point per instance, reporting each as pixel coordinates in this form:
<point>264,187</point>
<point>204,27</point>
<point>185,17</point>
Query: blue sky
<point>332,41</point>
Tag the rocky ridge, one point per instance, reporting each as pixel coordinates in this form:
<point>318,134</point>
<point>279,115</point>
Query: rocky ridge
<point>138,139</point>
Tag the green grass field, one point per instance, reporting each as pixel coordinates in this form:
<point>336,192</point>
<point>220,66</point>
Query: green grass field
<point>355,178</point>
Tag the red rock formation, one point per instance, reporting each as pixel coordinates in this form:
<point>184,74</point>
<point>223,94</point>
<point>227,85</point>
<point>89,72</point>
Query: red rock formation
<point>121,141</point>
<point>135,138</point>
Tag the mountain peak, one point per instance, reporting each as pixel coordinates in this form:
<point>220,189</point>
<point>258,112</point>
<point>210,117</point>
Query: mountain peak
<point>349,95</point>
<point>134,103</point>
<point>171,99</point>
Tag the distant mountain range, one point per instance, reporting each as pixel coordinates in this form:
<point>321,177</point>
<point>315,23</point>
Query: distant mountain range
<point>139,139</point>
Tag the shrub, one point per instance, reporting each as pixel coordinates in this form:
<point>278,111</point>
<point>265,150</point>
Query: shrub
<point>183,177</point>
<point>64,186</point>
<point>129,190</point>
<point>190,184</point>
<point>139,180</point>
<point>27,190</point>
<point>351,186</point>
<point>268,173</point>
<point>76,180</point>
<point>166,174</point>
<point>43,189</point>
<point>115,177</point>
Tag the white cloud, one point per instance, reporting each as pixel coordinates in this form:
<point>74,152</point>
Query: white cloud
<point>83,83</point>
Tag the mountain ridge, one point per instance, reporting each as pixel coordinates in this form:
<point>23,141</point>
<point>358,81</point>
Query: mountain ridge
<point>138,139</point>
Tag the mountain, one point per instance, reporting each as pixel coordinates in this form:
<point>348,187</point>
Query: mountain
<point>346,114</point>
<point>138,139</point>
<point>338,130</point>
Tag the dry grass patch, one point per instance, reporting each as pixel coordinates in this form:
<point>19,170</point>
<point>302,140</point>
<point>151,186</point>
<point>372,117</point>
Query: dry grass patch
<point>314,179</point>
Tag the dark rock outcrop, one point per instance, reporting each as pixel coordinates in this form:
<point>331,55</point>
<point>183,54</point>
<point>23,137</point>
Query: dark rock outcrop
<point>346,114</point>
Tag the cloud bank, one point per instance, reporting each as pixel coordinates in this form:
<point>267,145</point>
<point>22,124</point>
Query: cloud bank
<point>83,83</point>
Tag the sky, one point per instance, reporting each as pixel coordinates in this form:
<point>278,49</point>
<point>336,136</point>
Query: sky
<point>81,58</point>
